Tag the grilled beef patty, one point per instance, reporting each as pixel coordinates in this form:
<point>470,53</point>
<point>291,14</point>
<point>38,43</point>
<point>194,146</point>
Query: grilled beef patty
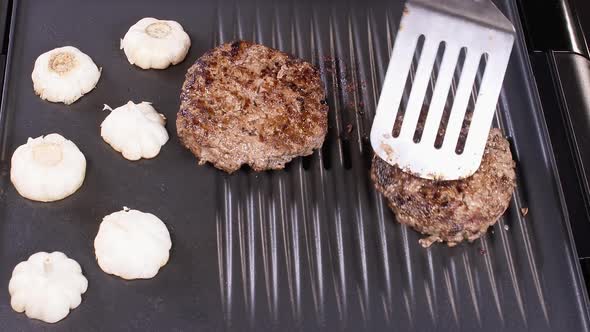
<point>451,211</point>
<point>244,103</point>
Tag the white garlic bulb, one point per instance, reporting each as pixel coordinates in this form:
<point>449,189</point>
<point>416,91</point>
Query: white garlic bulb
<point>64,74</point>
<point>135,130</point>
<point>47,168</point>
<point>153,43</point>
<point>47,286</point>
<point>132,244</point>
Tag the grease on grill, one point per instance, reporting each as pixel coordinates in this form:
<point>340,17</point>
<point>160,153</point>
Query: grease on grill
<point>348,90</point>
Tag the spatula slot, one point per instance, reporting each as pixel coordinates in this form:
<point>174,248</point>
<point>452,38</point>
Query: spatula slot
<point>450,98</point>
<point>408,88</point>
<point>471,106</point>
<point>429,91</point>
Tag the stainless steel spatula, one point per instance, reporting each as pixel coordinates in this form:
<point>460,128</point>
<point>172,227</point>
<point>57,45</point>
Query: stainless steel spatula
<point>480,29</point>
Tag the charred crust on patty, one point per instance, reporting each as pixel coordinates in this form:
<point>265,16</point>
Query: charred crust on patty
<point>451,211</point>
<point>245,103</point>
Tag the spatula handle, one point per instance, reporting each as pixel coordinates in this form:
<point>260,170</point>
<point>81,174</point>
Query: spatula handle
<point>479,11</point>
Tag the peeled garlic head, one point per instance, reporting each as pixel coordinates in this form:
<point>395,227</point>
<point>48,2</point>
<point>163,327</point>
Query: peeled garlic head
<point>47,286</point>
<point>153,43</point>
<point>132,244</point>
<point>47,169</point>
<point>135,130</point>
<point>64,74</point>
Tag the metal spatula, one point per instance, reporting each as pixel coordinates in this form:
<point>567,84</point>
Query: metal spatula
<point>480,29</point>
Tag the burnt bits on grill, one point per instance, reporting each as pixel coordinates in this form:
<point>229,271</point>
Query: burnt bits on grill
<point>451,211</point>
<point>245,103</point>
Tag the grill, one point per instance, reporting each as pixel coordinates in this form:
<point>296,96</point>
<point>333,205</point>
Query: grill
<point>311,247</point>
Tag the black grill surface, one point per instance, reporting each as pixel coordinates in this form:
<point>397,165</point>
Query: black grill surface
<point>312,247</point>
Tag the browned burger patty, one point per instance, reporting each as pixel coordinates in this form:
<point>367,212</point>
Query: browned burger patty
<point>451,211</point>
<point>244,103</point>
